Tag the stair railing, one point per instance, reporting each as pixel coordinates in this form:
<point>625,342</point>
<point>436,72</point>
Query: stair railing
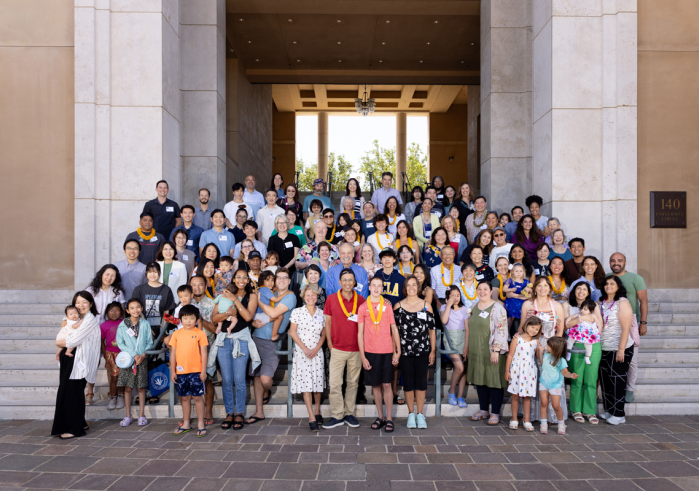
<point>159,351</point>
<point>329,185</point>
<point>371,183</point>
<point>290,363</point>
<point>406,188</point>
<point>447,350</point>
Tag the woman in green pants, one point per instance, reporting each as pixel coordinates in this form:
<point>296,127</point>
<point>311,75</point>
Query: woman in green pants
<point>583,390</point>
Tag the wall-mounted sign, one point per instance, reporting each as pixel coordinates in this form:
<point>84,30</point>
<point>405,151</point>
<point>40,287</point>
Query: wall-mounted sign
<point>668,209</point>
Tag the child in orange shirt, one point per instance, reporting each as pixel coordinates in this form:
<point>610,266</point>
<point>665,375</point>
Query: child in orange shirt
<point>188,368</point>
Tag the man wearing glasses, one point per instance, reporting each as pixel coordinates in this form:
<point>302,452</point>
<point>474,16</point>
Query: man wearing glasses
<point>266,348</point>
<point>132,271</point>
<point>501,247</point>
<point>202,216</point>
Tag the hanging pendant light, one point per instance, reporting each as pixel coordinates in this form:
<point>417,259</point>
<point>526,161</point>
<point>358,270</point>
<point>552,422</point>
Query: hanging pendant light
<point>365,106</point>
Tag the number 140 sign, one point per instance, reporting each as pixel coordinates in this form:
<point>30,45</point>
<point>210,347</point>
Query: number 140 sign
<point>668,209</point>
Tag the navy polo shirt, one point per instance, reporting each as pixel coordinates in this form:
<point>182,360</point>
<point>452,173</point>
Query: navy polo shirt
<point>164,215</point>
<point>194,233</point>
<point>149,248</point>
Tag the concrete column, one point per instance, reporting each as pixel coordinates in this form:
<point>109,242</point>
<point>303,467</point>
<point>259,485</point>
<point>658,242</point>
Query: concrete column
<point>127,121</point>
<point>505,102</point>
<point>203,83</point>
<point>585,129</point>
<point>323,145</point>
<point>473,116</point>
<point>401,148</point>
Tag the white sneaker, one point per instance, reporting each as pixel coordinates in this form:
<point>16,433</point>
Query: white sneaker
<point>568,355</point>
<point>587,360</point>
<point>112,403</point>
<point>615,420</point>
<point>605,415</point>
<point>120,402</point>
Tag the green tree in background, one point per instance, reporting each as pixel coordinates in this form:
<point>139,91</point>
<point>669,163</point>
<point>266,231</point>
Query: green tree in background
<point>417,166</point>
<point>307,173</point>
<point>377,161</point>
<point>341,169</point>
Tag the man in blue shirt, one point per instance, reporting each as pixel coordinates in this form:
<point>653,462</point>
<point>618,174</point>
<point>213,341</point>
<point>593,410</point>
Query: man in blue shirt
<point>218,235</point>
<point>166,213</point>
<point>262,337</point>
<point>251,196</point>
<point>383,193</point>
<point>193,232</point>
<point>511,227</point>
<point>392,279</point>
<point>367,222</point>
<point>318,186</point>
<point>332,276</point>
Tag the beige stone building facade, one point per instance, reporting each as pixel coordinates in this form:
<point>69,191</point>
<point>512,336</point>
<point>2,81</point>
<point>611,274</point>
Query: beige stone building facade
<point>589,104</point>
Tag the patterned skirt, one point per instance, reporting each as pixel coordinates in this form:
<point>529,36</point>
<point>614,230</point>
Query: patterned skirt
<point>137,381</point>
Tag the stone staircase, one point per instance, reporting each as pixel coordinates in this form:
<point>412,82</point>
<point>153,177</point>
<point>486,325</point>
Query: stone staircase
<point>668,381</point>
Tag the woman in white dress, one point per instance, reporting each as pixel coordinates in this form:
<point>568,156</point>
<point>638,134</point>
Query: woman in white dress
<point>308,372</point>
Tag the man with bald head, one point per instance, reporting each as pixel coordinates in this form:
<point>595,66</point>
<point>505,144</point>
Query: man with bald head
<point>637,295</point>
<point>332,277</point>
<point>310,250</point>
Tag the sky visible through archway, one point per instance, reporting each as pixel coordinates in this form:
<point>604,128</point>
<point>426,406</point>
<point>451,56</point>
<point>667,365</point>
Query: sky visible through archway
<point>352,136</point>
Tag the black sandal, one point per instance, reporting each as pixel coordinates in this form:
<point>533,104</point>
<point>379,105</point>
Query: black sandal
<point>389,426</point>
<point>378,424</point>
<point>226,425</point>
<point>154,400</point>
<point>265,400</point>
<point>238,425</point>
<point>399,401</point>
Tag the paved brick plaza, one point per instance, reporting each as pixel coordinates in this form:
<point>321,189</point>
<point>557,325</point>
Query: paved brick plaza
<point>649,453</point>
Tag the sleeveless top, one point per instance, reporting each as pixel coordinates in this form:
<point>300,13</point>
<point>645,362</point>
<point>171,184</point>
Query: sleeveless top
<point>548,319</point>
<point>611,334</point>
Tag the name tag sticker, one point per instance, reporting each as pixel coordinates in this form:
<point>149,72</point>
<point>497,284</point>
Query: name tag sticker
<point>154,239</point>
<point>81,365</point>
<point>185,257</point>
<point>223,238</point>
<point>479,276</point>
<point>174,274</point>
<point>170,209</point>
<point>190,242</point>
<point>130,332</point>
<point>484,314</point>
<point>180,368</point>
<point>537,271</point>
<point>359,286</point>
<point>369,225</point>
<point>422,316</point>
<point>288,245</point>
<point>545,317</point>
<point>353,318</point>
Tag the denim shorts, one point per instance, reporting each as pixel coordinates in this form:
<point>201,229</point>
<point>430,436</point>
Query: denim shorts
<point>189,384</point>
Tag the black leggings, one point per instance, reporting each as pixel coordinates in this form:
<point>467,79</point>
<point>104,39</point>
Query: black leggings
<point>487,396</point>
<point>414,371</point>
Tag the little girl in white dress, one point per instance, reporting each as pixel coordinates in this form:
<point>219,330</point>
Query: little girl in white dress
<point>520,370</point>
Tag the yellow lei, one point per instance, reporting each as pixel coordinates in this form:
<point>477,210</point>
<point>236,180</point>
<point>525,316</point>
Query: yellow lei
<point>394,219</point>
<point>342,304</point>
<point>410,243</point>
<point>378,240</point>
<point>502,297</point>
<point>146,237</point>
<point>371,312</point>
<point>553,285</point>
<point>451,272</point>
<point>400,267</point>
<point>475,286</point>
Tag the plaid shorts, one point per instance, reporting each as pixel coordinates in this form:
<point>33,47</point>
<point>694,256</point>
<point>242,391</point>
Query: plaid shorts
<point>189,384</point>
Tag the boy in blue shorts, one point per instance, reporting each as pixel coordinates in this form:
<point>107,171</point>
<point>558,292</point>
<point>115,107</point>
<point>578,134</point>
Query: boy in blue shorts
<point>188,368</point>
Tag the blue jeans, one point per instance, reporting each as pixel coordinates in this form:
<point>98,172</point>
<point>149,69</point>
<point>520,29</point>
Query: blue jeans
<point>233,372</point>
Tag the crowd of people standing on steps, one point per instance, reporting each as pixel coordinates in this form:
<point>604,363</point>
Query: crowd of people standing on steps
<point>364,292</point>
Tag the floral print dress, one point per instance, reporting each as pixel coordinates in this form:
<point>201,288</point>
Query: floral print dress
<point>585,332</point>
<point>523,372</point>
<point>414,330</point>
<point>308,375</point>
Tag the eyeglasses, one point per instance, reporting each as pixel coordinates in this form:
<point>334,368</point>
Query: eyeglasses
<point>329,216</point>
<point>499,235</point>
<point>131,248</point>
<point>283,278</point>
<point>247,247</point>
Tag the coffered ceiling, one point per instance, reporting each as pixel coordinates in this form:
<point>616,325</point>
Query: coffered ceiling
<point>359,41</point>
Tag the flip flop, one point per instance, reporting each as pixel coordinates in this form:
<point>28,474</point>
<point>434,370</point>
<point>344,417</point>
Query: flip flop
<point>181,431</point>
<point>201,433</point>
<point>254,419</point>
<point>208,421</point>
<point>265,400</point>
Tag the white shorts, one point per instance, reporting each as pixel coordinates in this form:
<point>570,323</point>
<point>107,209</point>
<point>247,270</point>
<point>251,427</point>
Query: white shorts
<point>554,392</point>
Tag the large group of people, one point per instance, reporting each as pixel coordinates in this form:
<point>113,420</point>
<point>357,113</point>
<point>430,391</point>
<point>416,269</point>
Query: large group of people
<point>365,292</point>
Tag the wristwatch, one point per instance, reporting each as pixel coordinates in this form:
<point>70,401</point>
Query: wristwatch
<point>643,322</point>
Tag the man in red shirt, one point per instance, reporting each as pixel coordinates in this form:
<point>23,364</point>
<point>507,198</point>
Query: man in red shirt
<point>341,328</point>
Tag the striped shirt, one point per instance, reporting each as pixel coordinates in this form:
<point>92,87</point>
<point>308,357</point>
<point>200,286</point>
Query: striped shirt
<point>104,298</point>
<point>87,355</point>
<point>381,196</point>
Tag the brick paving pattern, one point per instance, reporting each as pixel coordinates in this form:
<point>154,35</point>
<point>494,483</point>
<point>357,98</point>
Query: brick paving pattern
<point>648,453</point>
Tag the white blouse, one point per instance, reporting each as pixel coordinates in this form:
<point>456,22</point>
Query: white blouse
<point>86,339</point>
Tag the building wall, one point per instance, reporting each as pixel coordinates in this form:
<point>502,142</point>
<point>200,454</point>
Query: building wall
<point>668,148</point>
<point>36,142</point>
<point>248,128</point>
<point>284,144</point>
<point>448,137</point>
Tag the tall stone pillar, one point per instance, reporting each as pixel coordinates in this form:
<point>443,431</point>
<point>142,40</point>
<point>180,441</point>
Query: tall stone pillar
<point>323,145</point>
<point>401,148</point>
<point>203,85</point>
<point>584,121</point>
<point>505,102</point>
<point>127,121</point>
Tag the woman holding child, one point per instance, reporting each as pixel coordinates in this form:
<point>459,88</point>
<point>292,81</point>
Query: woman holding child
<point>77,370</point>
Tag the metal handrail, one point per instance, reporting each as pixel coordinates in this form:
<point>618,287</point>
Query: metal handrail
<point>295,181</point>
<point>371,183</point>
<point>438,370</point>
<point>159,351</point>
<point>290,363</point>
<point>406,188</point>
<point>330,184</point>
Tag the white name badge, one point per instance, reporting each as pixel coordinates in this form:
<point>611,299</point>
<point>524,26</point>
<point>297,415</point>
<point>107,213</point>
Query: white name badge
<point>174,274</point>
<point>422,316</point>
<point>353,318</point>
<point>170,209</point>
<point>369,225</point>
<point>81,365</point>
<point>180,368</point>
<point>154,239</point>
<point>299,232</point>
<point>271,215</point>
<point>537,271</point>
<point>130,332</point>
<point>440,196</point>
<point>484,314</point>
<point>223,238</point>
<point>185,257</point>
<point>190,242</point>
<point>359,287</point>
<point>479,276</point>
<point>288,245</point>
<point>545,317</point>
<point>438,213</point>
<point>339,234</point>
